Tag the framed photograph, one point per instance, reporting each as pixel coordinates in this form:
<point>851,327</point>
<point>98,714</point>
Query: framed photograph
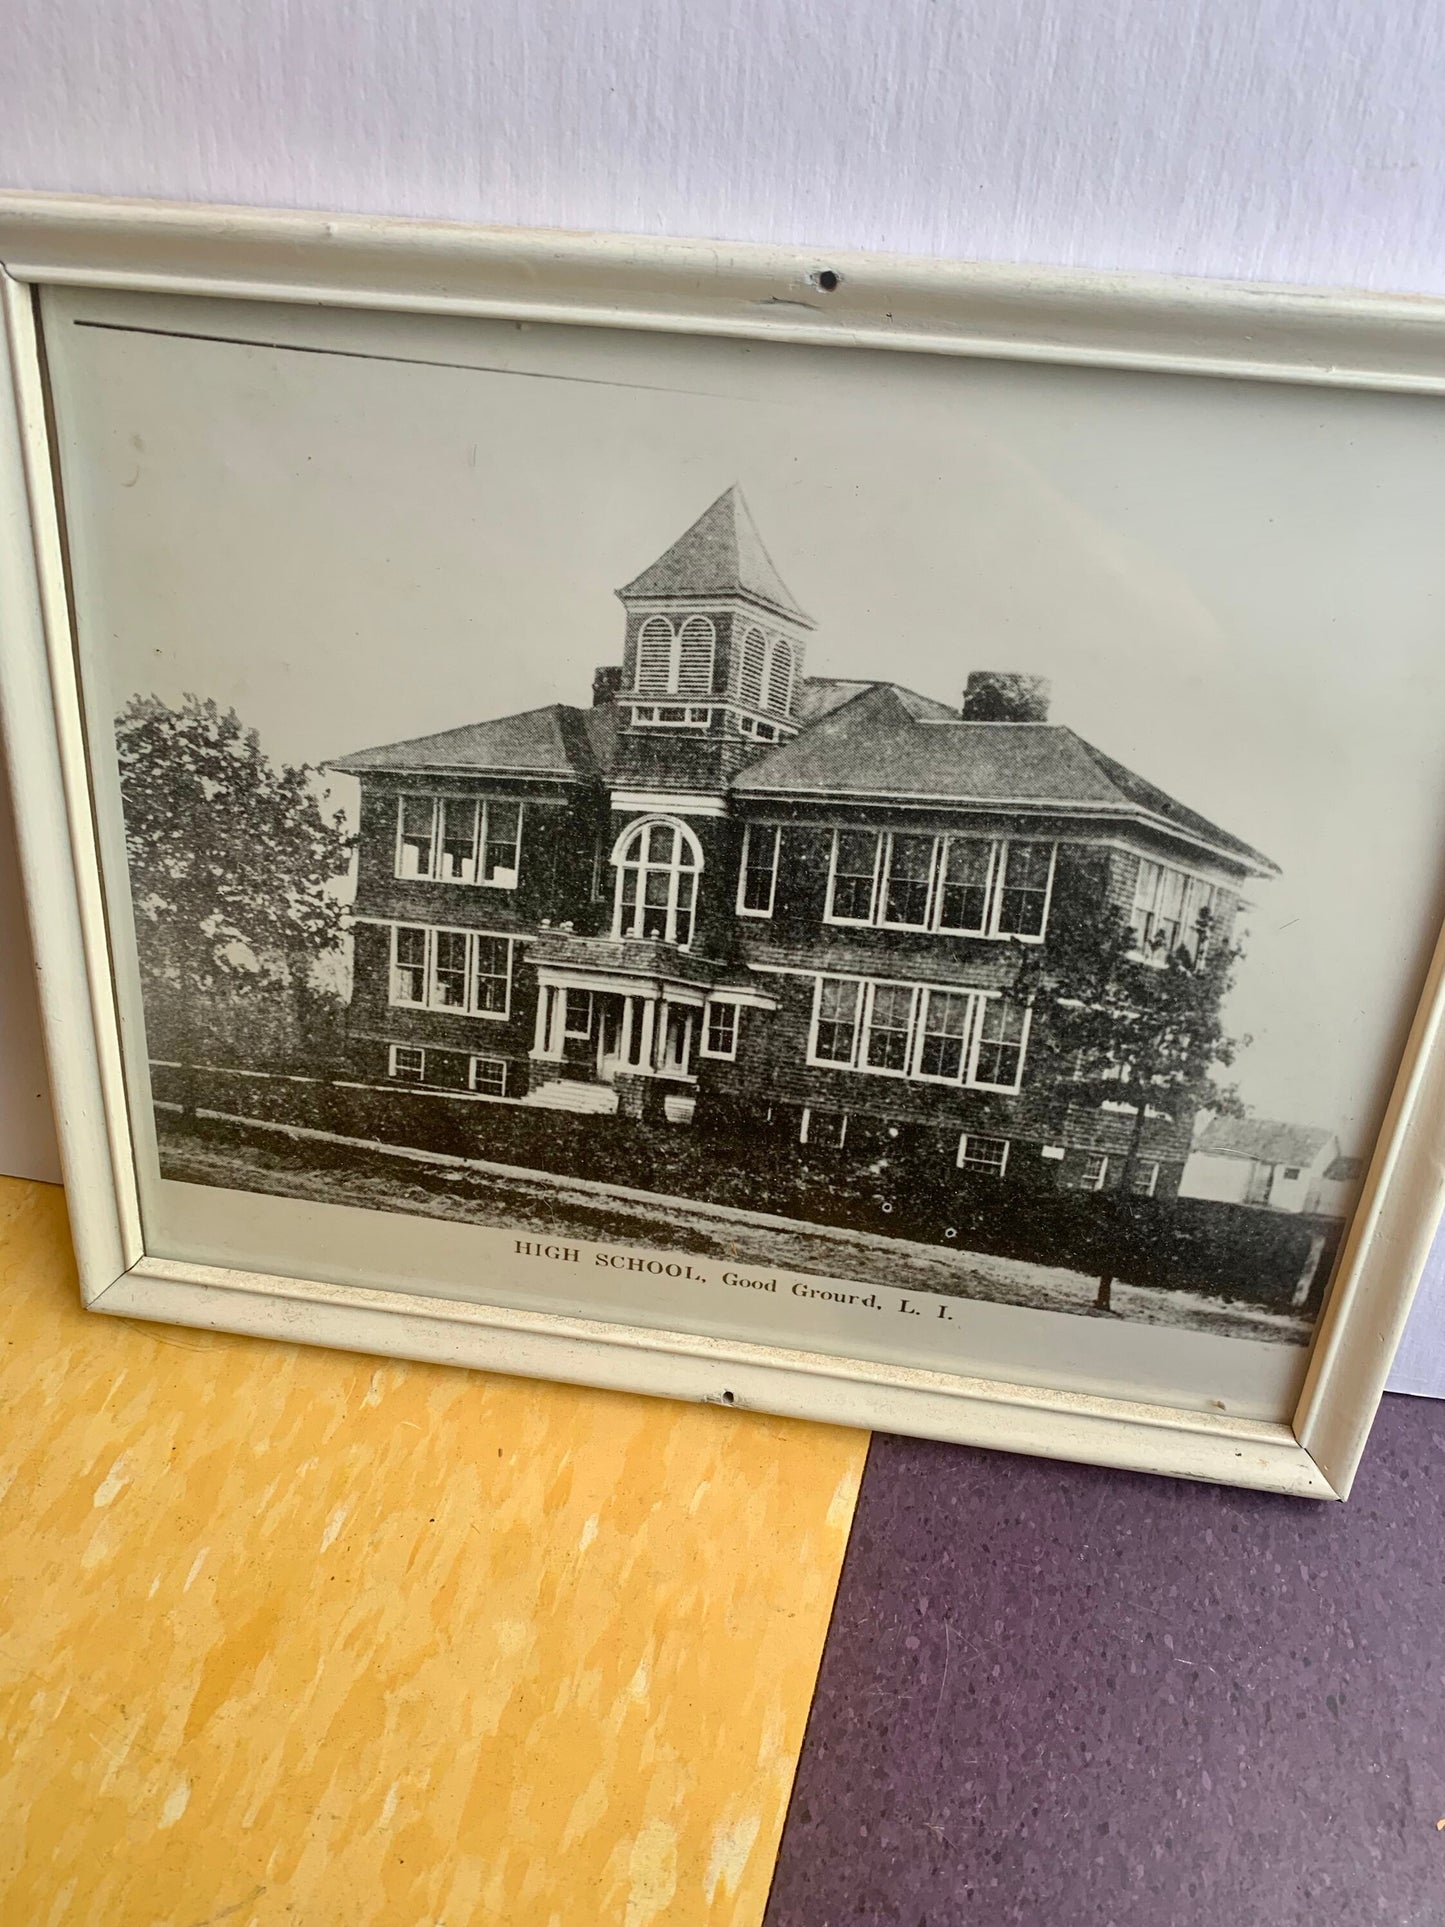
<point>856,837</point>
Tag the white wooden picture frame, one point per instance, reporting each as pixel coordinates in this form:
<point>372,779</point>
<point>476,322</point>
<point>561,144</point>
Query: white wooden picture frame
<point>1261,339</point>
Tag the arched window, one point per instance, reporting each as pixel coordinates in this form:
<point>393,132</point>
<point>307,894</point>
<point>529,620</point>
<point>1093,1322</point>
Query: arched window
<point>694,676</point>
<point>780,678</point>
<point>658,862</point>
<point>750,668</point>
<point>655,657</point>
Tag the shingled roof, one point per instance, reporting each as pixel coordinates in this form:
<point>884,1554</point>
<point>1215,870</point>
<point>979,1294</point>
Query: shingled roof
<point>721,554</point>
<point>863,741</point>
<point>886,743</point>
<point>1263,1140</point>
<point>557,740</point>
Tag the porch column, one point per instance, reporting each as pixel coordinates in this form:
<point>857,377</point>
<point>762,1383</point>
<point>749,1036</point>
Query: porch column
<point>646,1055</point>
<point>558,1026</point>
<point>539,1035</point>
<point>624,1043</point>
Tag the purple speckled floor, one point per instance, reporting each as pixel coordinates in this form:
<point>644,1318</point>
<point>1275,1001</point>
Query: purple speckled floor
<point>1059,1697</point>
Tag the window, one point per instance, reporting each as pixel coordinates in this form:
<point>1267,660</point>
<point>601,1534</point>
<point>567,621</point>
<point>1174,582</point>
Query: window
<point>408,1063</point>
<point>963,897</point>
<point>491,974</point>
<point>1024,898</point>
<point>855,874</point>
<point>459,823</point>
<point>751,663</point>
<point>458,970</point>
<point>695,656</point>
<point>988,1154</point>
<point>488,1074</point>
<point>654,656</point>
<point>823,1130</point>
<point>720,1037</point>
<point>780,678</point>
<point>1145,1181</point>
<point>657,868</point>
<point>503,844</point>
<point>449,970</point>
<point>970,885</point>
<point>919,1030</point>
<point>459,839</point>
<point>890,1026</point>
<point>998,1054</point>
<point>408,964</point>
<point>414,836</point>
<point>759,877</point>
<point>577,1014</point>
<point>943,1051</point>
<point>1095,1174</point>
<point>1291,1171</point>
<point>1172,909</point>
<point>671,715</point>
<point>836,1030</point>
<point>908,881</point>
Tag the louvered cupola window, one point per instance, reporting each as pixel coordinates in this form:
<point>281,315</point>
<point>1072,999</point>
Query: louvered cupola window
<point>655,656</point>
<point>695,657</point>
<point>780,678</point>
<point>751,667</point>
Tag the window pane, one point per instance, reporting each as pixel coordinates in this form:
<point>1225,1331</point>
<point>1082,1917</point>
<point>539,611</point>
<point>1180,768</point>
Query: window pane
<point>1145,890</point>
<point>577,1020</point>
<point>661,838</point>
<point>888,1027</point>
<point>910,865</point>
<point>722,1029</point>
<point>984,1154</point>
<point>1001,1029</point>
<point>760,867</point>
<point>504,820</point>
<point>1025,890</point>
<point>409,980</point>
<point>449,969</point>
<point>686,894</point>
<point>963,900</point>
<point>854,864</point>
<point>459,839</point>
<point>414,856</point>
<point>490,979</point>
<point>945,1032</point>
<point>490,1074</point>
<point>408,1063</point>
<point>837,1020</point>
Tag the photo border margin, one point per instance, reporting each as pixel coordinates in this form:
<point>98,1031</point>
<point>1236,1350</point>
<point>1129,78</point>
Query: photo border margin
<point>1316,337</point>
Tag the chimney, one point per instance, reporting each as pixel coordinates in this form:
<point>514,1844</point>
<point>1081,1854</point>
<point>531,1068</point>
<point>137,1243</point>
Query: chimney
<point>605,683</point>
<point>1005,696</point>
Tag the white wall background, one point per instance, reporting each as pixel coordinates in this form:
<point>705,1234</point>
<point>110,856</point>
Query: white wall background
<point>1283,140</point>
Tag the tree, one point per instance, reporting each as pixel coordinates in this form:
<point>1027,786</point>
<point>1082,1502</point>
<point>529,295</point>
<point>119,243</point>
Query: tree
<point>1140,1030</point>
<point>232,862</point>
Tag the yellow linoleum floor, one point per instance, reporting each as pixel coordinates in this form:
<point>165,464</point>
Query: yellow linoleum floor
<point>297,1636</point>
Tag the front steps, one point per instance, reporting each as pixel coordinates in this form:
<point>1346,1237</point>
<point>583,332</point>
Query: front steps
<point>565,1094</point>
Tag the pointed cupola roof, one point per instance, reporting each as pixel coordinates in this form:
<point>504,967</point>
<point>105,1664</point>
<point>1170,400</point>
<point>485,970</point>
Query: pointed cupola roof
<point>721,554</point>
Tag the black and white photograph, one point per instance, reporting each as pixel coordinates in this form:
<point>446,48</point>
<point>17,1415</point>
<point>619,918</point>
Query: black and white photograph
<point>759,839</point>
